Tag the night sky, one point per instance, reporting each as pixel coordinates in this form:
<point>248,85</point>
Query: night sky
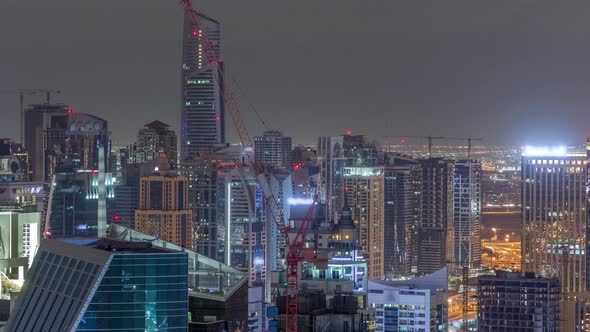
<point>511,71</point>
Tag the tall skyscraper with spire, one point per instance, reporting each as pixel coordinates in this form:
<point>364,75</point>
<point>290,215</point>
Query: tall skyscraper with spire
<point>202,109</point>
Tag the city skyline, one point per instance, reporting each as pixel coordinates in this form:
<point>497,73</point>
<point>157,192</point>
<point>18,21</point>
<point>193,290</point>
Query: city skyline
<point>497,64</point>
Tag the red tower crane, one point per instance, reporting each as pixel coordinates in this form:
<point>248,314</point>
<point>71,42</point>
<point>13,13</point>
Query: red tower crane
<point>296,252</point>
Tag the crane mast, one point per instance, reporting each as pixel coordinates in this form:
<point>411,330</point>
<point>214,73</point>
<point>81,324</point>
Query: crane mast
<point>296,253</point>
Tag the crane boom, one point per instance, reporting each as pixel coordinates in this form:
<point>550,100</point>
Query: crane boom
<point>295,254</point>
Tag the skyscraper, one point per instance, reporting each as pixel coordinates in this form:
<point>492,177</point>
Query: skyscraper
<point>436,233</point>
<point>163,210</point>
<point>202,107</point>
<point>152,140</point>
<point>273,149</point>
<point>555,223</point>
<point>335,153</point>
<point>202,174</point>
<point>400,218</point>
<point>510,301</point>
<point>56,136</point>
<point>364,190</point>
<point>467,213</point>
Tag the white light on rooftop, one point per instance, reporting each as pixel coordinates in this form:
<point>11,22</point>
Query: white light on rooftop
<point>545,151</point>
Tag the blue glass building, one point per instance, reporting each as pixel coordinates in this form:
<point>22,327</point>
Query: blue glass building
<point>104,285</point>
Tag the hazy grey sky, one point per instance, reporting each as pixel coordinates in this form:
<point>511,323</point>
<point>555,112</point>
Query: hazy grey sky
<point>514,71</point>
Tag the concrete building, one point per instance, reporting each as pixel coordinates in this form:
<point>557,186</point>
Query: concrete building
<point>273,149</point>
<point>152,140</point>
<point>364,189</point>
<point>418,304</point>
<point>467,199</point>
<point>202,106</point>
<point>436,234</point>
<point>103,285</point>
<point>56,136</point>
<point>510,301</point>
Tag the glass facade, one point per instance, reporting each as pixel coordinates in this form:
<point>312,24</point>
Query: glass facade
<point>141,292</point>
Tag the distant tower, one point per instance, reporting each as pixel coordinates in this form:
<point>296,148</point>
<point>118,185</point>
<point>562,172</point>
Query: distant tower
<point>202,108</point>
<point>153,139</point>
<point>436,235</point>
<point>364,191</point>
<point>273,149</point>
<point>467,215</point>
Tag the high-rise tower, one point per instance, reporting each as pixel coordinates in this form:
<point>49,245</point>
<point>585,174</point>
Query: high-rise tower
<point>202,108</point>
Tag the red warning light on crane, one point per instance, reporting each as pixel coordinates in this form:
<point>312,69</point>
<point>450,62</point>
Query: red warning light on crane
<point>297,166</point>
<point>70,111</point>
<point>116,217</point>
<point>348,132</point>
<point>194,33</point>
<point>402,141</point>
<point>217,118</point>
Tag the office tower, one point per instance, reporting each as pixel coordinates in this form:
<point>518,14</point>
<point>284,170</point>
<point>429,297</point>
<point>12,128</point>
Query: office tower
<point>335,153</point>
<point>127,193</point>
<point>436,233</point>
<point>467,201</point>
<point>105,285</point>
<point>202,106</point>
<point>239,203</point>
<point>418,304</point>
<point>400,217</point>
<point>154,139</point>
<point>202,175</point>
<point>364,190</point>
<point>511,301</point>
<point>273,149</point>
<point>73,207</point>
<point>555,223</point>
<point>163,208</point>
<point>56,136</point>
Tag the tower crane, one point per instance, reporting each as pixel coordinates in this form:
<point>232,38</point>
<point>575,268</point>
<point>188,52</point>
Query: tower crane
<point>469,143</point>
<point>429,138</point>
<point>296,253</point>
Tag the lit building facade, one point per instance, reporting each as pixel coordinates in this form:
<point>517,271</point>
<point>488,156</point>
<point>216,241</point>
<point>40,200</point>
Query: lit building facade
<point>400,215</point>
<point>57,136</point>
<point>163,209</point>
<point>334,153</point>
<point>273,149</point>
<point>74,208</point>
<point>467,213</point>
<point>418,304</point>
<point>202,106</point>
<point>555,224</point>
<point>436,234</point>
<point>510,301</point>
<point>202,174</point>
<point>364,189</point>
<point>152,140</point>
